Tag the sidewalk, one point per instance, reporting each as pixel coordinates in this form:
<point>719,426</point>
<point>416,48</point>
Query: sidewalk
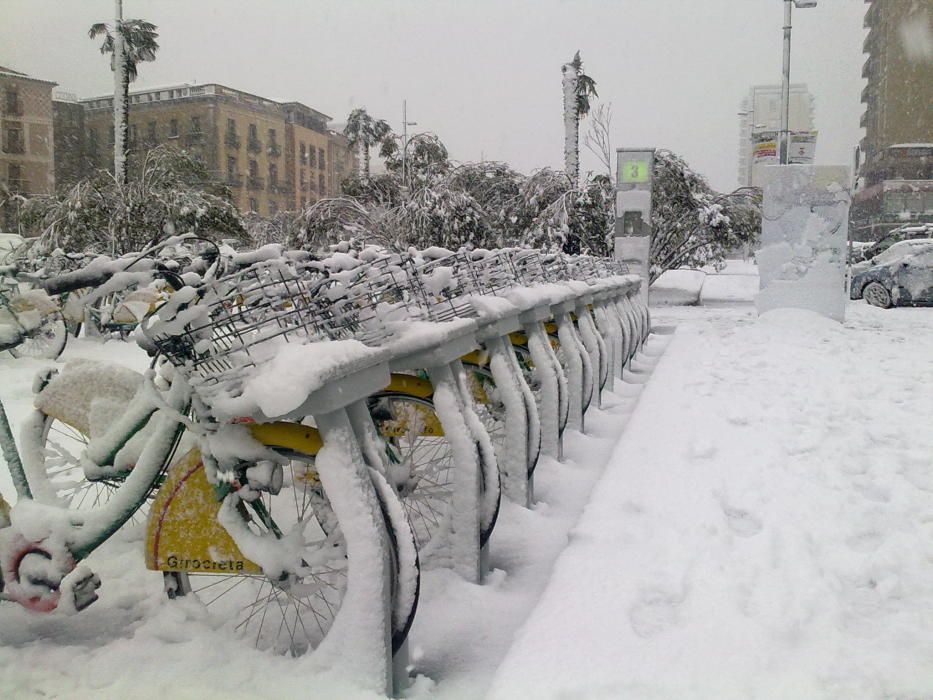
<point>763,528</point>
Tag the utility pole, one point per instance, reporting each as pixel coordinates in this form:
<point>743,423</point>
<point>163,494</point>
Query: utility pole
<point>785,83</point>
<point>405,125</point>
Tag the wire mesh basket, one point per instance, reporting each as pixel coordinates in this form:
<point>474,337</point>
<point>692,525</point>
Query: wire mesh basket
<point>240,321</point>
<point>448,283</point>
<point>527,266</point>
<point>494,272</point>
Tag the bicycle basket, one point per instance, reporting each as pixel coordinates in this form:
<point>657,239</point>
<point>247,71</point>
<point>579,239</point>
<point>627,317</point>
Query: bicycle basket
<point>234,323</point>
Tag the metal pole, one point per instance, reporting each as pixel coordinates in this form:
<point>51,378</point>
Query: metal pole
<point>785,85</point>
<point>404,138</point>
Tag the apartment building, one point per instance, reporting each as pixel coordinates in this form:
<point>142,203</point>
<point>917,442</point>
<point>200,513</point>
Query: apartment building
<point>895,158</point>
<point>275,156</point>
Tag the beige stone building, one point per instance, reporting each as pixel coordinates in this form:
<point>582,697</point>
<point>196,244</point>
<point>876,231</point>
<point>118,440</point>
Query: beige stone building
<point>27,146</point>
<point>896,156</point>
<point>275,156</point>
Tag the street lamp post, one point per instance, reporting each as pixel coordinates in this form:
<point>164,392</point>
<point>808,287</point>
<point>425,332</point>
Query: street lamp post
<point>785,84</point>
<point>405,125</point>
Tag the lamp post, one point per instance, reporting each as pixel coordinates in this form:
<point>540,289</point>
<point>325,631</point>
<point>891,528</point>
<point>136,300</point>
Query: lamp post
<point>405,125</point>
<point>748,143</point>
<point>785,85</point>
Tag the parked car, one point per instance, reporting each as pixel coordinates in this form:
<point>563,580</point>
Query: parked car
<point>900,276</point>
<point>907,232</point>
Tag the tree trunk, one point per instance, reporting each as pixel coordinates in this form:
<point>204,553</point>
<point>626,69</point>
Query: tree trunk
<point>364,159</point>
<point>571,124</point>
<point>120,97</point>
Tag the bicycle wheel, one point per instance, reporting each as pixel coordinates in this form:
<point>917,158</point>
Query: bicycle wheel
<point>420,460</point>
<point>487,403</point>
<point>526,366</point>
<point>54,449</point>
<point>46,341</point>
<point>290,613</point>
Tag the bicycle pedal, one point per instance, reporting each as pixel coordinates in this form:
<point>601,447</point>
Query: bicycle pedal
<point>81,587</point>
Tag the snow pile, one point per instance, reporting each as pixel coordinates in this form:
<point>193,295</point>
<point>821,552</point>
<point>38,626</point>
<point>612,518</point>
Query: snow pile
<point>677,288</point>
<point>762,530</point>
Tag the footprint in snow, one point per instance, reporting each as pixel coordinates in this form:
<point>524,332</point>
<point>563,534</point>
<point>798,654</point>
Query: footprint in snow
<point>741,522</point>
<point>702,447</point>
<point>656,612</point>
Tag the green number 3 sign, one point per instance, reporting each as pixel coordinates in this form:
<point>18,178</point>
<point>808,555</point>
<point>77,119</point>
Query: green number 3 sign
<point>635,171</point>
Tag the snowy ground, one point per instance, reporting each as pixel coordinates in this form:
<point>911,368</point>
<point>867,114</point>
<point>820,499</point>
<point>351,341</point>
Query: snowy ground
<point>758,527</point>
<point>764,528</point>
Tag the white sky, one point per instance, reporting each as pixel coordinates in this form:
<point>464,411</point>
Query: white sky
<point>482,74</point>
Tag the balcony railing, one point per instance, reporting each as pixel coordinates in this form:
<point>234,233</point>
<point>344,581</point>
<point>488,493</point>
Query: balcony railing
<point>14,147</point>
<point>254,183</point>
<point>253,145</point>
<point>231,139</point>
<point>274,150</point>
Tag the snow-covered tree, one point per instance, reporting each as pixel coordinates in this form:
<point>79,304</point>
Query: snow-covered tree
<point>363,132</point>
<point>693,225</point>
<point>139,44</point>
<point>426,158</point>
<point>167,193</point>
<point>578,88</point>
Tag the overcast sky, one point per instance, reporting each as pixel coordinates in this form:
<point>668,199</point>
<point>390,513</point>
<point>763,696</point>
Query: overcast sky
<point>484,75</point>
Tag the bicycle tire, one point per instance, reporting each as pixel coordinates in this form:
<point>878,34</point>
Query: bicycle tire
<point>292,613</point>
<point>46,341</point>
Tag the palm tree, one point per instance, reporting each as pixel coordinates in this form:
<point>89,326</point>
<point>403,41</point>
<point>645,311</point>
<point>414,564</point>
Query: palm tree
<point>364,132</point>
<point>578,88</point>
<point>139,44</point>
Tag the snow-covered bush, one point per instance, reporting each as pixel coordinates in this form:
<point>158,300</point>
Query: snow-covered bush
<point>167,193</point>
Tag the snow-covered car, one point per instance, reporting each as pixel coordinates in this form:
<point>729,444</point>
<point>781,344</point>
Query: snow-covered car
<point>890,254</point>
<point>902,233</point>
<point>901,276</point>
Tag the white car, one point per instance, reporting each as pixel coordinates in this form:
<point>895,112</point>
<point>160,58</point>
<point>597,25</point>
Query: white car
<point>895,251</point>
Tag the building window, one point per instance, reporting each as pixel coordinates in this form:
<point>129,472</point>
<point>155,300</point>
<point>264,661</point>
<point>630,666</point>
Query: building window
<point>272,136</point>
<point>173,129</point>
<point>92,137</point>
<point>15,177</point>
<point>273,175</point>
<point>231,126</point>
<point>134,133</point>
<point>304,202</point>
<point>253,205</point>
<point>253,169</point>
<point>252,139</point>
<point>151,131</point>
<point>12,102</point>
<point>14,141</point>
<point>273,208</point>
<point>320,158</point>
<point>302,180</point>
<point>195,125</point>
<point>320,184</point>
<point>312,157</point>
<point>304,154</point>
<point>231,167</point>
